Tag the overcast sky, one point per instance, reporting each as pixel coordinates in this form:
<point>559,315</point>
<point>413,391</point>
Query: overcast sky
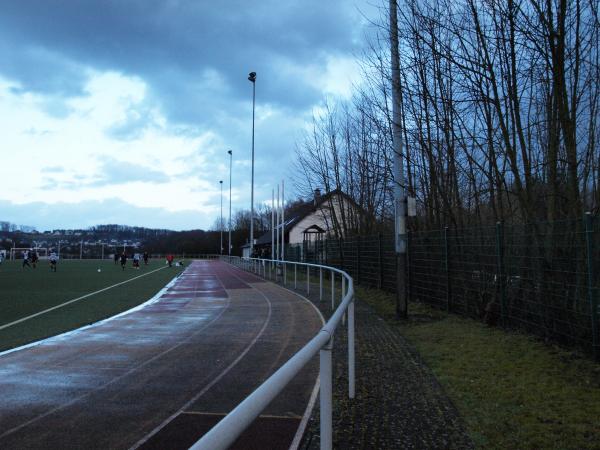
<point>123,111</point>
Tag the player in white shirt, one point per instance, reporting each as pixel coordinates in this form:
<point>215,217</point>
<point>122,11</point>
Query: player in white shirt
<point>53,260</point>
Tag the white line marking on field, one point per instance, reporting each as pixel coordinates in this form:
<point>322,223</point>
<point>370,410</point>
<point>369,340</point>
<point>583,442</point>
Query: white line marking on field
<point>150,301</point>
<point>39,313</point>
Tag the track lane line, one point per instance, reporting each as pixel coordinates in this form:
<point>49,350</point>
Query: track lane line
<point>215,380</point>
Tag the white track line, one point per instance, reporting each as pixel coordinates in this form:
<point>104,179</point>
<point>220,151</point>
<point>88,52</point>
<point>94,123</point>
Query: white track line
<point>39,313</point>
<point>215,380</point>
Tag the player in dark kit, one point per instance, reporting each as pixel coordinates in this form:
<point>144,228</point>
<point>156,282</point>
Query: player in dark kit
<point>123,260</point>
<point>145,258</point>
<point>34,258</point>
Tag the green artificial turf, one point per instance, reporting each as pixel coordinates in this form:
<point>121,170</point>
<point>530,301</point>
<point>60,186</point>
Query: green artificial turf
<point>24,292</point>
<point>513,391</point>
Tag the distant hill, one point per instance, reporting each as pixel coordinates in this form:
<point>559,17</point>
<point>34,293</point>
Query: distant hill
<point>91,242</point>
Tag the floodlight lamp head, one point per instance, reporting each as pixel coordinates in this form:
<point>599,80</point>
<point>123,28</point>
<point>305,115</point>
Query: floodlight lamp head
<point>229,152</point>
<point>252,76</point>
<point>221,181</point>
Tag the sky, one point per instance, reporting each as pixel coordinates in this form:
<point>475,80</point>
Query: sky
<point>122,111</point>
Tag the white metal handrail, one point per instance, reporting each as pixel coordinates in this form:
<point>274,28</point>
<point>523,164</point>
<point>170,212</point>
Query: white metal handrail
<point>222,435</point>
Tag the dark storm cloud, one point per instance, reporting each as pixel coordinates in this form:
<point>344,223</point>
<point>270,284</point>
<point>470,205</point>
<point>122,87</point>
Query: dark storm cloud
<point>172,45</point>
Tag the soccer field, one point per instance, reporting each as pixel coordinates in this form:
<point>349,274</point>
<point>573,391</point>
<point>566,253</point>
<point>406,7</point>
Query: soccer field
<point>25,292</point>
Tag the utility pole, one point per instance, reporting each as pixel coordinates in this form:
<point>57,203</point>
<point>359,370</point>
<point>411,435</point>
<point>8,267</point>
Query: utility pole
<point>399,184</point>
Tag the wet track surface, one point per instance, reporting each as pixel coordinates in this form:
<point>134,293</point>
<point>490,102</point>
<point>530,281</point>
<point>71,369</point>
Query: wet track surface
<point>158,376</point>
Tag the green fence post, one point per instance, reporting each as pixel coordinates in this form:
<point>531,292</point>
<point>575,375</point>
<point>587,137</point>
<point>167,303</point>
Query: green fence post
<point>447,264</point>
<point>408,265</point>
<point>380,261</point>
<point>358,259</point>
<point>341,253</point>
<point>500,269</point>
<point>589,240</point>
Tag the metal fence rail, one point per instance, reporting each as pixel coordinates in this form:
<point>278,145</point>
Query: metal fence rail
<point>222,435</point>
<point>543,278</point>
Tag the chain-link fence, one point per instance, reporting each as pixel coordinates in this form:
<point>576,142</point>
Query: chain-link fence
<point>542,278</point>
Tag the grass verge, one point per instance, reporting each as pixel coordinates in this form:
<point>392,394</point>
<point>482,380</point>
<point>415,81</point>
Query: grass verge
<point>512,390</point>
<point>24,292</point>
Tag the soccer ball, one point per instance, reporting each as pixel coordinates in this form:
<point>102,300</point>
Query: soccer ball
<point>99,270</point>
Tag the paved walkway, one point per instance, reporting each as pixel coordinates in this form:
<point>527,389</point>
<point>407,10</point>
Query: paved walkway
<point>159,377</point>
<point>399,404</point>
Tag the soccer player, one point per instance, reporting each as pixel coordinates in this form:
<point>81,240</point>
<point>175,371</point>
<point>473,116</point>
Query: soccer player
<point>116,257</point>
<point>170,259</point>
<point>136,260</point>
<point>53,259</point>
<point>123,260</point>
<point>146,258</point>
<point>26,259</point>
<point>34,258</point>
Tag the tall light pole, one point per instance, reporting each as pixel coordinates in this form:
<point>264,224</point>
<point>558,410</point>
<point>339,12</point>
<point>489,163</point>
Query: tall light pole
<point>221,221</point>
<point>273,226</point>
<point>282,221</point>
<point>229,227</point>
<point>252,78</point>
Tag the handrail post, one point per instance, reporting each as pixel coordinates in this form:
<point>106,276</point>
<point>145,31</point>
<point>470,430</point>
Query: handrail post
<point>320,284</point>
<point>351,376</point>
<point>332,290</point>
<point>307,280</point>
<point>284,273</point>
<point>325,395</point>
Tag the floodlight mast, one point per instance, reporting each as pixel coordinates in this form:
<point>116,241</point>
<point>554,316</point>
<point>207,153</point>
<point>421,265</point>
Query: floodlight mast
<point>252,79</point>
<point>221,220</point>
<point>273,225</point>
<point>282,221</point>
<point>230,164</point>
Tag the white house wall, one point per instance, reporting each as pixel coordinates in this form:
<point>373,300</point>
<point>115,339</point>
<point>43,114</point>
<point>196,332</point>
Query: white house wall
<point>321,218</point>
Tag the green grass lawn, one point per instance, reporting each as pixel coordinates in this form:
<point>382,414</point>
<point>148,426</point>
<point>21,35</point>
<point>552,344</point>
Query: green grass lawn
<point>24,292</point>
<point>513,391</point>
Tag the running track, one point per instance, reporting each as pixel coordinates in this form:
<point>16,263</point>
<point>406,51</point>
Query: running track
<point>160,376</point>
